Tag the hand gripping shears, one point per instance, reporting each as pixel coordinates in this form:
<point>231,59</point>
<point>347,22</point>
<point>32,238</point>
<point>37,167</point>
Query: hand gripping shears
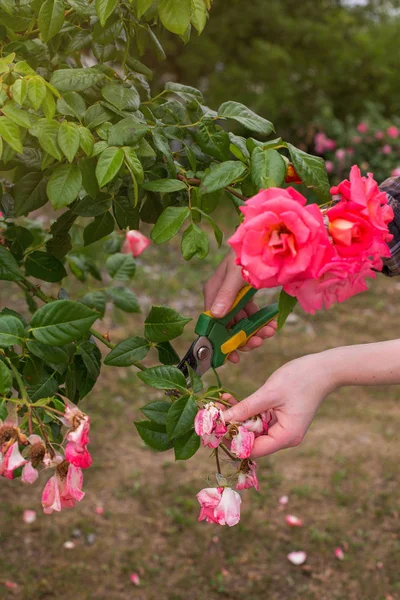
<point>216,340</point>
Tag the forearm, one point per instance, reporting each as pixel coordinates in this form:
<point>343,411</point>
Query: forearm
<point>365,364</point>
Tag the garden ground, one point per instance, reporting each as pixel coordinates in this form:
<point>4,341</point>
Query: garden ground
<point>343,481</point>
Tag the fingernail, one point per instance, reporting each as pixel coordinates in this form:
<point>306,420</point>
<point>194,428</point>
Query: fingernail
<point>217,309</point>
<point>227,415</point>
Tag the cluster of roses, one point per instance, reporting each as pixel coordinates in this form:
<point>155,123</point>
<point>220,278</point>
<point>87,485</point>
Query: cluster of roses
<point>221,505</point>
<point>318,256</point>
<point>64,488</point>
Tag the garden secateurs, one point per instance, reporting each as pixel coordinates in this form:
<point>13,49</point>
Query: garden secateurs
<point>217,339</point>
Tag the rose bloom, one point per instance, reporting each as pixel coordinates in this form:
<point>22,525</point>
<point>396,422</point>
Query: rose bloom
<point>135,243</point>
<point>63,489</point>
<point>219,505</point>
<point>242,441</point>
<point>340,154</point>
<point>392,132</point>
<point>362,127</point>
<point>206,419</point>
<point>247,476</point>
<point>386,149</point>
<point>279,238</point>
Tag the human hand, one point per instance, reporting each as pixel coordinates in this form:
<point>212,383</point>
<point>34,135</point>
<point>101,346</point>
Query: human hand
<point>294,393</point>
<point>220,292</point>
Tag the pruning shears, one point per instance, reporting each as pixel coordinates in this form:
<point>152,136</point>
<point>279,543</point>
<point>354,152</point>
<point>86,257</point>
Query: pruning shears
<point>216,340</point>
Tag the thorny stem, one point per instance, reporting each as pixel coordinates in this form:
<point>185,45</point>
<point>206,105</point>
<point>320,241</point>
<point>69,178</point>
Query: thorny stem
<point>225,449</point>
<point>217,461</point>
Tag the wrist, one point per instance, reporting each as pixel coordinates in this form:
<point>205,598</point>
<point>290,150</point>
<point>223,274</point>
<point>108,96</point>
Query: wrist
<point>329,363</point>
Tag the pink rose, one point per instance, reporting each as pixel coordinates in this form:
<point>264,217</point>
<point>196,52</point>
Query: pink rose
<point>29,473</point>
<point>214,439</point>
<point>386,149</point>
<point>77,455</point>
<point>392,132</point>
<point>350,151</point>
<point>362,127</point>
<point>247,476</point>
<point>11,461</point>
<point>63,489</point>
<point>396,172</point>
<point>206,419</point>
<point>279,238</point>
<point>379,135</point>
<point>219,505</point>
<point>242,441</point>
<point>135,243</point>
<point>209,498</point>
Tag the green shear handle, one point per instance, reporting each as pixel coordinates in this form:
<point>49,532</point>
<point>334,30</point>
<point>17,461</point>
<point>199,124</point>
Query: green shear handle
<point>226,340</point>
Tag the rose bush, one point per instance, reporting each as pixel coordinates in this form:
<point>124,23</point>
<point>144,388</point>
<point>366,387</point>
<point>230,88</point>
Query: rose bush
<point>87,154</point>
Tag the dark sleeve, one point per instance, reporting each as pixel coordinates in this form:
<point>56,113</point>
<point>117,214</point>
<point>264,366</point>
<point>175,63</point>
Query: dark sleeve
<point>391,266</point>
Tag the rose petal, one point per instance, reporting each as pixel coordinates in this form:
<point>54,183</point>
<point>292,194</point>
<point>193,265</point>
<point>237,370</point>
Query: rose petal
<point>339,553</point>
<point>283,500</point>
<point>297,558</point>
<point>29,516</point>
<point>134,577</point>
<point>69,545</point>
<point>293,521</point>
<point>99,510</point>
<point>11,585</point>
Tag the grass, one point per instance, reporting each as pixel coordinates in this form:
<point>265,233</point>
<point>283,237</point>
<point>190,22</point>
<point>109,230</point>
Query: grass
<point>343,481</point>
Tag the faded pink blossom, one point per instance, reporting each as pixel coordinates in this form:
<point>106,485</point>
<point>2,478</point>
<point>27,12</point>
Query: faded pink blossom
<point>279,239</point>
<point>29,516</point>
<point>340,154</point>
<point>242,441</point>
<point>362,127</point>
<point>247,476</point>
<point>323,143</point>
<point>11,461</point>
<point>393,132</point>
<point>329,166</point>
<point>219,505</point>
<point>29,473</point>
<point>63,489</point>
<point>78,455</point>
<point>297,558</point>
<point>339,553</point>
<point>206,419</point>
<point>135,579</point>
<point>283,500</point>
<point>215,438</point>
<point>76,451</point>
<point>293,521</point>
<point>396,172</point>
<point>255,424</point>
<point>135,243</point>
<point>350,151</point>
<point>386,149</point>
<point>356,139</point>
<point>379,135</point>
<point>51,495</point>
<point>99,510</point>
<point>69,545</point>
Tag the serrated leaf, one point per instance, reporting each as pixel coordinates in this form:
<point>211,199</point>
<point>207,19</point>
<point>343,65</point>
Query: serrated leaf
<point>91,357</point>
<point>199,15</point>
<point>175,15</point>
<point>86,140</point>
<point>71,105</point>
<point>142,6</point>
<point>29,193</point>
<point>16,114</point>
<point>36,91</point>
<point>19,90</point>
<point>47,133</point>
<point>186,92</point>
<point>222,175</point>
<point>268,169</point>
<point>165,185</point>
<point>180,417</point>
<point>164,378</point>
<point>9,269</point>
<point>75,80</point>
<point>104,8</point>
<point>120,266</point>
<point>154,435</point>
<point>96,301</point>
<point>57,358</point>
<point>124,299</point>
<point>167,354</point>
<point>156,411</point>
<point>127,352</point>
<point>240,113</point>
<point>312,171</point>
<point>51,19</point>
<point>92,207</point>
<point>64,185</point>
<point>187,445</point>
<point>100,227</point>
<point>121,97</point>
<point>5,379</point>
<point>46,387</point>
<point>164,324</point>
<point>11,331</point>
<point>49,105</point>
<point>194,243</point>
<point>10,132</point>
<point>69,139</point>
<point>61,322</point>
<point>44,266</point>
<point>133,163</point>
<point>109,163</point>
<point>169,223</point>
<point>213,140</point>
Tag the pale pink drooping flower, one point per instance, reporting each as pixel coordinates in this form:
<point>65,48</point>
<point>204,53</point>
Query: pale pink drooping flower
<point>135,243</point>
<point>219,505</point>
<point>247,477</point>
<point>242,441</point>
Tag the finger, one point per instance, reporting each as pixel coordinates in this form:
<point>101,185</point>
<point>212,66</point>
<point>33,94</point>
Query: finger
<point>234,357</point>
<point>253,343</point>
<point>227,293</point>
<point>210,289</point>
<point>268,330</point>
<point>229,398</point>
<point>249,407</point>
<point>277,439</point>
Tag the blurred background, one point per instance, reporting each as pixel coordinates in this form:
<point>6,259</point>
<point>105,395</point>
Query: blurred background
<point>327,74</point>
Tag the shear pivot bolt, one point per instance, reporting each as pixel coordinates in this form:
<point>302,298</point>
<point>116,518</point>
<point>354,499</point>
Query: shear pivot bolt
<point>203,353</point>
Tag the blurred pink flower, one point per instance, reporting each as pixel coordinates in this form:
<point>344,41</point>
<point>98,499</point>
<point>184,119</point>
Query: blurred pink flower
<point>99,510</point>
<point>63,489</point>
<point>350,151</point>
<point>206,419</point>
<point>356,139</point>
<point>329,166</point>
<point>135,579</point>
<point>362,127</point>
<point>11,461</point>
<point>396,172</point>
<point>11,585</point>
<point>386,149</point>
<point>29,516</point>
<point>297,558</point>
<point>392,132</point>
<point>323,143</point>
<point>340,154</point>
<point>379,135</point>
<point>339,553</point>
<point>283,500</point>
<point>293,521</point>
<point>29,473</point>
<point>135,243</point>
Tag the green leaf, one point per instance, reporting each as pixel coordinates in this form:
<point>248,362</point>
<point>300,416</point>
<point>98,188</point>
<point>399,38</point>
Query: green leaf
<point>169,223</point>
<point>156,411</point>
<point>121,97</point>
<point>109,163</point>
<point>124,299</point>
<point>64,185</point>
<point>312,171</point>
<point>11,133</point>
<point>46,387</point>
<point>100,227</point>
<point>86,140</point>
<point>186,92</point>
<point>16,114</point>
<point>36,91</point>
<point>91,357</point>
<point>9,269</point>
<point>199,15</point>
<point>127,132</point>
<point>89,207</point>
<point>213,140</point>
<point>164,378</point>
<point>57,358</point>
<point>44,266</point>
<point>221,175</point>
<point>29,193</point>
<point>165,185</point>
<point>175,15</point>
<point>121,266</point>
<point>164,324</point>
<point>286,305</point>
<point>127,352</point>
<point>61,322</point>
<point>11,331</point>
<point>69,139</point>
<point>240,113</point>
<point>104,8</point>
<point>21,239</point>
<point>6,379</point>
<point>181,416</point>
<point>71,105</point>
<point>97,301</point>
<point>75,80</point>
<point>194,243</point>
<point>187,445</point>
<point>154,435</point>
<point>142,6</point>
<point>47,133</point>
<point>167,354</point>
<point>268,169</point>
<point>49,105</point>
<point>87,167</point>
<point>51,19</point>
<point>133,163</point>
<point>19,90</point>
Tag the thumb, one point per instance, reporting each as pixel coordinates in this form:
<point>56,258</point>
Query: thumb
<point>249,407</point>
<point>227,293</point>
